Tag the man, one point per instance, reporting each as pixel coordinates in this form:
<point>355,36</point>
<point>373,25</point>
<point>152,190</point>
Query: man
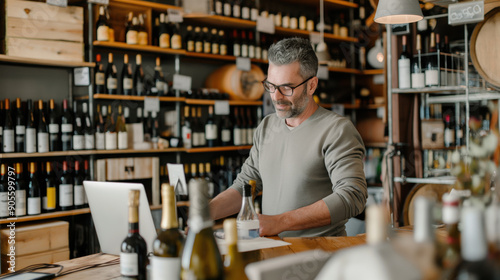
<point>308,161</point>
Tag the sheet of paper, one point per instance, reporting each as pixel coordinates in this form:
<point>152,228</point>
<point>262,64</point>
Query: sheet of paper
<point>247,245</point>
<point>177,178</point>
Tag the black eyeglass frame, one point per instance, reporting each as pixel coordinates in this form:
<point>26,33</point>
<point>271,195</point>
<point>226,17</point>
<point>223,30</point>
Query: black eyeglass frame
<point>265,84</point>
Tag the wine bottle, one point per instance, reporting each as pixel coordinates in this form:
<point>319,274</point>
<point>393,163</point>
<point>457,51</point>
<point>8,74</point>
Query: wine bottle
<point>54,133</point>
<point>121,130</point>
<point>244,127</point>
<point>198,40</point>
<point>131,36</point>
<point>251,45</point>
<point>196,127</point>
<point>110,136</point>
<point>449,132</point>
<point>189,39</point>
<point>78,129</point>
<point>404,66</point>
<point>34,200</point>
<point>99,76</point>
<point>222,43</point>
<point>236,9</point>
<point>228,8</point>
<point>432,72</point>
<point>247,220</point>
<point>234,267</point>
<point>142,33</point>
<point>221,175</point>
<point>245,10</point>
<point>31,136</point>
<point>147,125</point>
<point>158,79</point>
<point>186,129</point>
<point>127,82</point>
<point>218,8</point>
<point>20,127</point>
<point>2,121</point>
<point>133,256</point>
<point>236,44</point>
<point>254,12</point>
<point>200,257</point>
<point>20,191</point>
<point>207,41</point>
<point>66,128</point>
<point>49,198</point>
<point>176,38</point>
<point>65,190</point>
<point>226,131</point>
<point>164,32</point>
<point>42,135</point>
<point>244,44</point>
<point>111,30</point>
<point>100,142</point>
<point>154,130</point>
<point>88,128</point>
<point>8,130</point>
<point>237,129</point>
<point>250,127</point>
<point>212,192</point>
<point>139,82</point>
<point>111,79</point>
<point>200,128</point>
<point>167,247</point>
<point>211,131</point>
<point>86,177</point>
<point>451,216</point>
<point>417,76</point>
<point>4,192</point>
<point>78,191</point>
<point>215,41</point>
<point>102,26</point>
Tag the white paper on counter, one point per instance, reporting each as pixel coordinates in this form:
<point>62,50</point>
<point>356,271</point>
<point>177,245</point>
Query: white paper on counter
<point>246,245</point>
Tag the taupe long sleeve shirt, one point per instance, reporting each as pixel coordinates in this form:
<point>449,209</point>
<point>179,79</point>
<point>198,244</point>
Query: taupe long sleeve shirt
<point>322,158</point>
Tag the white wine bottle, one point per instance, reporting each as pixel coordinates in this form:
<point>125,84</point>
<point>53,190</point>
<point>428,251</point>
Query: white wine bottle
<point>247,220</point>
<point>133,256</point>
<point>167,247</point>
<point>233,262</point>
<point>201,258</point>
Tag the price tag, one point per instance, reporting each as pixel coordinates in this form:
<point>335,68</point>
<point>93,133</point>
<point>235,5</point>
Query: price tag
<point>177,178</point>
<point>221,108</point>
<point>265,24</point>
<point>315,37</point>
<point>175,15</point>
<point>243,63</point>
<point>181,82</point>
<point>82,76</point>
<point>151,104</point>
<point>196,6</point>
<point>60,3</point>
<point>102,2</point>
<point>465,12</point>
<point>338,108</point>
<point>322,72</point>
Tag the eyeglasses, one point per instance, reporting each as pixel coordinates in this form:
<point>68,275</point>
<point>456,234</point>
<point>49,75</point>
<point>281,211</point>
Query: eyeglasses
<point>284,90</point>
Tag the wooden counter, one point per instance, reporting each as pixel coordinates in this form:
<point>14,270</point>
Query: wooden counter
<point>104,266</point>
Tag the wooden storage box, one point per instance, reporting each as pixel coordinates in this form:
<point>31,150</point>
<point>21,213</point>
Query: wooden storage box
<point>129,168</point>
<point>41,31</point>
<point>432,134</point>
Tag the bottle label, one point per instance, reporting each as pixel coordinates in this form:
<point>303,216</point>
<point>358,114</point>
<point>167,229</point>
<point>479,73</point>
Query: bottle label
<point>303,23</point>
<point>67,128</point>
<point>132,37</point>
<point>285,21</point>
<point>236,11</point>
<point>78,142</point>
<point>226,135</point>
<point>460,133</point>
<point>100,78</point>
<point>50,199</point>
<point>43,142</point>
<point>190,46</point>
<point>258,52</point>
<point>165,268</point>
<point>310,25</point>
<point>215,48</point>
<point>129,264</point>
<point>237,136</point>
<point>112,83</point>
<point>20,202</point>
<point>293,23</point>
<point>422,25</point>
<point>431,77</point>
<point>254,14</point>
<point>248,229</point>
<point>103,33</point>
<point>8,141</point>
<point>20,129</point>
<point>79,195</point>
<point>243,132</point>
<point>344,31</point>
<point>65,195</point>
<point>264,54</point>
<point>244,50</point>
<point>277,19</point>
<point>223,49</point>
<point>31,140</point>
<point>34,205</point>
<point>404,73</point>
<point>250,136</point>
<point>165,40</point>
<point>218,7</point>
<point>198,47</point>
<point>99,141</point>
<point>111,140</point>
<point>236,49</point>
<point>142,38</point>
<point>4,204</point>
<point>449,137</point>
<point>251,51</point>
<point>127,84</point>
<point>206,47</point>
<point>122,140</point>
<point>245,13</point>
<point>89,142</point>
<point>227,9</point>
<point>186,137</point>
<point>211,131</point>
<point>417,80</point>
<point>53,128</point>
<point>176,42</point>
<point>197,139</point>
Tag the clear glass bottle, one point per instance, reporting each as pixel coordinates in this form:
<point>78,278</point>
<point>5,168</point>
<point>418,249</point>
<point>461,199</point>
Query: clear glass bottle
<point>247,220</point>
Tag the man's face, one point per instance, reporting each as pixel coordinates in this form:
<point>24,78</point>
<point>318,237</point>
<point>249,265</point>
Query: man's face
<point>288,75</point>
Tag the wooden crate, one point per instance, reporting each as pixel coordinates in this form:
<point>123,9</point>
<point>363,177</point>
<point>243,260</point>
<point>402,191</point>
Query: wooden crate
<point>38,30</point>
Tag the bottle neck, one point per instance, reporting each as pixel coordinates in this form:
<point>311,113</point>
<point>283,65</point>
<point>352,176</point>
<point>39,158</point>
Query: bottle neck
<point>199,211</point>
<point>133,219</point>
<point>169,214</point>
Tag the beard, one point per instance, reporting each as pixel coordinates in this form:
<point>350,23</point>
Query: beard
<point>295,109</point>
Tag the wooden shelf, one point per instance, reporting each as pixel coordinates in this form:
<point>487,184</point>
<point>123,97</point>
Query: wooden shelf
<point>331,4</point>
<point>132,151</point>
<point>138,48</point>
<point>219,57</point>
<point>219,21</point>
<point>43,62</point>
<point>45,216</point>
<point>305,33</point>
<point>344,70</point>
<point>218,149</point>
<point>372,72</point>
<point>48,154</point>
<point>104,96</point>
<point>231,102</point>
<point>146,4</point>
<point>354,106</point>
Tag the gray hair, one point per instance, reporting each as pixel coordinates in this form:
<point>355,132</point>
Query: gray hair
<point>292,50</point>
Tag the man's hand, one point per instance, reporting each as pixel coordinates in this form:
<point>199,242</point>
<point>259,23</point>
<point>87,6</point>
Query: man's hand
<point>270,225</point>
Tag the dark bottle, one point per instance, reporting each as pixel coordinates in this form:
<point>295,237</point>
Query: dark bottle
<point>20,127</point>
<point>65,190</point>
<point>78,129</point>
<point>127,82</point>
<point>198,40</point>
<point>211,131</point>
<point>31,136</point>
<point>99,76</point>
<point>251,45</point>
<point>155,133</point>
<point>89,128</point>
<point>404,66</point>
<point>237,128</point>
<point>236,44</point>
<point>110,135</point>
<point>2,120</point>
<point>176,38</point>
<point>221,175</point>
<point>207,40</point>
<point>4,192</point>
<point>200,129</point>
<point>186,129</point>
<point>54,125</point>
<point>244,127</point>
<point>244,44</point>
<point>451,217</point>
<point>226,131</point>
<point>164,33</point>
<point>250,127</point>
<point>42,135</point>
<point>99,128</point>
<point>132,33</point>
<point>222,43</point>
<point>215,41</point>
<point>102,26</point>
<point>86,177</point>
<point>189,39</point>
<point>158,79</point>
<point>139,83</point>
<point>449,132</point>
<point>111,79</point>
<point>49,199</point>
<point>133,257</point>
<point>432,71</point>
<point>34,199</point>
<point>20,191</point>
<point>78,191</point>
<point>142,35</point>
<point>66,127</point>
<point>228,8</point>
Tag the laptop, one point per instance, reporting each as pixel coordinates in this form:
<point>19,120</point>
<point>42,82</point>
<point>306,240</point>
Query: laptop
<point>108,202</point>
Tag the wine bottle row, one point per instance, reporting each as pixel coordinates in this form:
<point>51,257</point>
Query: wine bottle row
<point>43,187</point>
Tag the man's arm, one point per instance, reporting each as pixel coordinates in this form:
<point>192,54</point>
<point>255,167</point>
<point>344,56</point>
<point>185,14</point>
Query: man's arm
<point>311,216</point>
<point>225,204</point>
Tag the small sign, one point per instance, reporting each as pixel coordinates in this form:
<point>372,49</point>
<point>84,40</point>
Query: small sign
<point>60,3</point>
<point>175,15</point>
<point>151,104</point>
<point>177,178</point>
<point>465,12</point>
<point>243,63</point>
<point>315,37</point>
<point>102,2</point>
<point>265,25</point>
<point>82,77</point>
<point>196,7</point>
<point>338,108</point>
<point>378,79</point>
<point>322,72</point>
<point>181,82</point>
<point>401,29</point>
<point>221,108</point>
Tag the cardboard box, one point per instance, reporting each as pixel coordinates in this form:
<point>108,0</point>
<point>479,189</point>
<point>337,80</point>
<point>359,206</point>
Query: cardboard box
<point>44,257</point>
<point>432,134</point>
<point>41,31</point>
<point>129,168</point>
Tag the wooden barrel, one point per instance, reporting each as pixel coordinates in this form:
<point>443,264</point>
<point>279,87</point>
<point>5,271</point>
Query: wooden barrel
<point>484,43</point>
<point>434,191</point>
<point>240,85</point>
